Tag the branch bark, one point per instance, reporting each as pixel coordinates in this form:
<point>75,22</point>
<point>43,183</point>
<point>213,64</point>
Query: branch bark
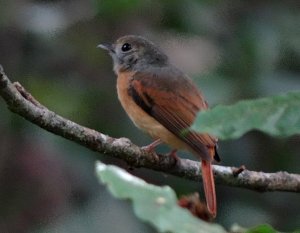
<point>21,102</point>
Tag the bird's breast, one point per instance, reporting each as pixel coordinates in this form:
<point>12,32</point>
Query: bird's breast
<point>142,119</point>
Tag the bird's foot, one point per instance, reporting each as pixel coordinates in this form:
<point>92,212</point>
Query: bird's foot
<point>150,148</point>
<point>238,170</point>
<point>174,156</point>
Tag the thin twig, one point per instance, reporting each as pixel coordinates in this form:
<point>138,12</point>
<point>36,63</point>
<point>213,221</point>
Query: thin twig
<point>24,104</point>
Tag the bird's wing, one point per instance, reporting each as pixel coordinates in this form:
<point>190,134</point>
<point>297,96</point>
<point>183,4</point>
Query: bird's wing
<point>174,101</point>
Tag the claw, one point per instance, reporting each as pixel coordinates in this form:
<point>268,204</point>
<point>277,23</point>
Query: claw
<point>173,154</point>
<point>239,170</point>
<point>150,148</point>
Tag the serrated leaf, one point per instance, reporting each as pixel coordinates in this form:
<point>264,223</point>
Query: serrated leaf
<point>153,204</point>
<point>277,116</point>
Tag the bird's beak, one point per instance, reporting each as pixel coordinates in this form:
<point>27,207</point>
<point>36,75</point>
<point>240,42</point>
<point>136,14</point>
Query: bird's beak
<point>107,46</point>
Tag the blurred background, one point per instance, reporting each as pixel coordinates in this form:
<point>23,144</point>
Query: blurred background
<point>233,50</point>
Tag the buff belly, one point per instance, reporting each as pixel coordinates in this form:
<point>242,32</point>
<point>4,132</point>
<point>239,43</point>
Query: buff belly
<point>143,120</point>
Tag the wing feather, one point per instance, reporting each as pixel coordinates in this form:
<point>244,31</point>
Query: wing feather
<point>174,102</point>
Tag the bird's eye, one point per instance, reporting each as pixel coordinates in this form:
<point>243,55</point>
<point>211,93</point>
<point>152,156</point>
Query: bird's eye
<point>126,47</point>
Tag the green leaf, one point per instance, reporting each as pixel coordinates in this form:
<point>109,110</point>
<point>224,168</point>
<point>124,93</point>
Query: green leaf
<point>277,116</point>
<point>262,229</point>
<point>153,204</point>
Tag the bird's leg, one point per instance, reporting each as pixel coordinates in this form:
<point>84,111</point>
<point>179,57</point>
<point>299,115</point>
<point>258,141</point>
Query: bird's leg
<point>150,148</point>
<point>238,170</point>
<point>174,155</point>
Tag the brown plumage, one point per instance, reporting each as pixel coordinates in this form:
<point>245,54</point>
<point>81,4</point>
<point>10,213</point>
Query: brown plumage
<point>163,102</point>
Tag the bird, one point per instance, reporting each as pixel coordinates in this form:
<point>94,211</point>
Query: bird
<point>163,102</point>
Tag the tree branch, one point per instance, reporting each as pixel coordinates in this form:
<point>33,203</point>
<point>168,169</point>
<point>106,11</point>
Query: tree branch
<point>22,103</point>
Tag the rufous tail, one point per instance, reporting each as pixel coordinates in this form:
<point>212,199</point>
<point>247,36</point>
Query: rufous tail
<point>209,187</point>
